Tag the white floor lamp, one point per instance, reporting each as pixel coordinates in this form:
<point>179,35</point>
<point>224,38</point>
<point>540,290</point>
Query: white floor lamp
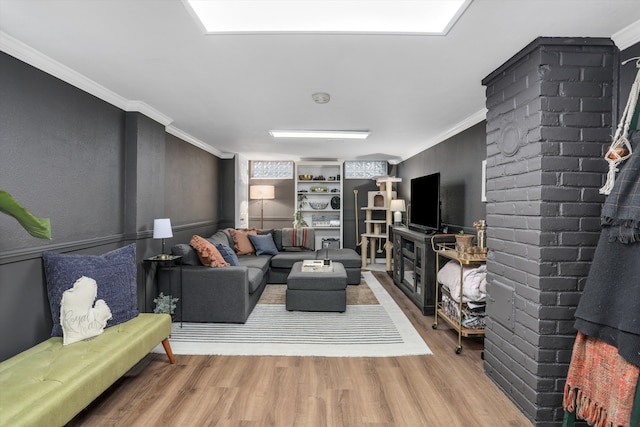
<point>262,192</point>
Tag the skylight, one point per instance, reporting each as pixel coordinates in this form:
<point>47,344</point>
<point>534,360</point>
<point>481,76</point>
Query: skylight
<point>327,16</point>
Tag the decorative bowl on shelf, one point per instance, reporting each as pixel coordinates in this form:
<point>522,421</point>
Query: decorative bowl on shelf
<point>306,177</point>
<point>319,189</point>
<point>318,205</point>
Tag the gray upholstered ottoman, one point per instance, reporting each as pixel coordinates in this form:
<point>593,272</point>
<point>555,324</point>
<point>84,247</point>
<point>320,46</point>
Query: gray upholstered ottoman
<point>350,260</point>
<point>317,290</point>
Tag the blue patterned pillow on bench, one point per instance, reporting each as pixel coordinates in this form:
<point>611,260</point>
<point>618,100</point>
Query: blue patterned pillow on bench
<point>115,273</point>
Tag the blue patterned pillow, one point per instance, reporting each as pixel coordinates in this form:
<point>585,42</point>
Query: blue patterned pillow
<point>264,244</point>
<point>115,273</point>
<point>227,253</point>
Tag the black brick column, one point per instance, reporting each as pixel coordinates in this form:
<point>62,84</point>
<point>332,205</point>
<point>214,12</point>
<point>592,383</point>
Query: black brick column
<point>549,123</point>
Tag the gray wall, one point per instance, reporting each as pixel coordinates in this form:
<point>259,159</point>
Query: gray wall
<point>101,175</point>
<point>628,74</point>
<point>349,210</point>
<point>459,161</point>
<point>278,212</point>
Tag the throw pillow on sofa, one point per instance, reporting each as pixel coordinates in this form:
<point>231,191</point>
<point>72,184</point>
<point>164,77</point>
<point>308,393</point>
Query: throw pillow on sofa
<point>276,233</point>
<point>208,254</point>
<point>242,244</point>
<point>227,253</point>
<point>264,244</point>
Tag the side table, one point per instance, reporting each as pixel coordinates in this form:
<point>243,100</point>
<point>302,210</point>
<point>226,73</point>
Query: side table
<point>164,261</point>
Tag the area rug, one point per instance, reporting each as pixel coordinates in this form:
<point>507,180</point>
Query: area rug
<point>356,295</point>
<point>380,330</point>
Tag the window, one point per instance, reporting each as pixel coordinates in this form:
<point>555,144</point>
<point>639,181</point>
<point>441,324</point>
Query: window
<point>365,169</point>
<point>271,169</point>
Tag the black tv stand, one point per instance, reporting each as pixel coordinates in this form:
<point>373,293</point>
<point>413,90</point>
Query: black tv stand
<point>414,266</point>
<point>421,231</point>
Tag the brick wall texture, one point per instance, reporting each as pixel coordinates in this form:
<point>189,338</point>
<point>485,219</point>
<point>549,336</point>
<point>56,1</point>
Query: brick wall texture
<point>549,123</point>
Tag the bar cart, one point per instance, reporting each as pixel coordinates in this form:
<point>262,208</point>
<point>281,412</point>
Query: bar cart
<point>448,250</point>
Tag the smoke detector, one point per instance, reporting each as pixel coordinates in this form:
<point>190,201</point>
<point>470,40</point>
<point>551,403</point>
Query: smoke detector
<point>321,97</point>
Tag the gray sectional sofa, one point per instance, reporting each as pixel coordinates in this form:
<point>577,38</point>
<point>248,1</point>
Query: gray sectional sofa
<point>229,294</point>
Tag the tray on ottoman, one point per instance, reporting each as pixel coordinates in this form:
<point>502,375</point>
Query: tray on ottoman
<point>312,265</point>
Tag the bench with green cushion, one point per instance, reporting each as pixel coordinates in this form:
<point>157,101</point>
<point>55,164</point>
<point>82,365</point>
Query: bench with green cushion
<point>48,384</point>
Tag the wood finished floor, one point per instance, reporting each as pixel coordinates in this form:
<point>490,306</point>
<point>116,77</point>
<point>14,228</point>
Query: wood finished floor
<point>440,390</point>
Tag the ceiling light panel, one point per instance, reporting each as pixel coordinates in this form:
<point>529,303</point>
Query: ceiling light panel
<point>327,16</point>
<point>315,134</point>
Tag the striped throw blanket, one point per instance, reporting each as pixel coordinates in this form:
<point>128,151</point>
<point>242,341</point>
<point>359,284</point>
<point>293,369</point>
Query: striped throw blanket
<point>600,384</point>
<point>302,238</point>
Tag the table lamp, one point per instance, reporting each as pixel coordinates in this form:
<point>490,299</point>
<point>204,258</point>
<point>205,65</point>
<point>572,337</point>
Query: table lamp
<point>162,230</point>
<point>397,206</point>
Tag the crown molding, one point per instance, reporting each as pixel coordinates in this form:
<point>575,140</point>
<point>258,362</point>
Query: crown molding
<point>37,59</point>
<point>628,36</point>
<point>456,129</point>
<point>196,142</point>
<point>147,110</point>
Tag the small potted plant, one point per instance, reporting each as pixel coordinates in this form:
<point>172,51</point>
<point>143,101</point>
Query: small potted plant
<point>298,220</point>
<point>165,304</point>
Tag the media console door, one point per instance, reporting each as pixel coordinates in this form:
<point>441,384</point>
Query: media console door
<point>414,267</point>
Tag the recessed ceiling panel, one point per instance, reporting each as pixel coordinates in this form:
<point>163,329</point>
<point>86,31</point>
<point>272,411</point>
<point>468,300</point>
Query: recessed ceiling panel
<point>327,16</point>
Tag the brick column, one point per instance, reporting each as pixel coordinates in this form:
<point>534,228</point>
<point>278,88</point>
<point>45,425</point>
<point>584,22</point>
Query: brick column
<point>548,126</point>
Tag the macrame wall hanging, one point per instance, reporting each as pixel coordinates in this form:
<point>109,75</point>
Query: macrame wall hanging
<point>620,149</point>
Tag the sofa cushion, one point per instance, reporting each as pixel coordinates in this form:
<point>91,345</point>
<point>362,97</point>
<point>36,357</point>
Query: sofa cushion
<point>241,243</point>
<point>277,239</point>
<point>188,254</point>
<point>264,244</point>
<point>222,236</point>
<point>115,273</point>
<point>260,262</point>
<point>287,259</point>
<point>208,254</point>
<point>256,277</point>
<point>347,257</point>
<point>227,253</point>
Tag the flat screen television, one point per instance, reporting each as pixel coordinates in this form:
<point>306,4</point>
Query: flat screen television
<point>424,211</point>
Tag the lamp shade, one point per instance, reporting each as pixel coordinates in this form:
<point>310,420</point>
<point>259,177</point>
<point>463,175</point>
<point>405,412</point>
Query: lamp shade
<point>162,228</point>
<point>262,192</point>
<point>397,205</point>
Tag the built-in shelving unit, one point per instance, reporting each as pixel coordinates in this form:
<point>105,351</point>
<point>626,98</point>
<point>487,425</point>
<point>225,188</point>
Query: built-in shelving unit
<point>320,186</point>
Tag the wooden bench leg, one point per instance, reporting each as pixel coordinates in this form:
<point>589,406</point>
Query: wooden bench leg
<point>167,348</point>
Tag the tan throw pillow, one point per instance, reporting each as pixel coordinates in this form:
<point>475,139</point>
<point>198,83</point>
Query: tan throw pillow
<point>208,254</point>
<point>242,244</point>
